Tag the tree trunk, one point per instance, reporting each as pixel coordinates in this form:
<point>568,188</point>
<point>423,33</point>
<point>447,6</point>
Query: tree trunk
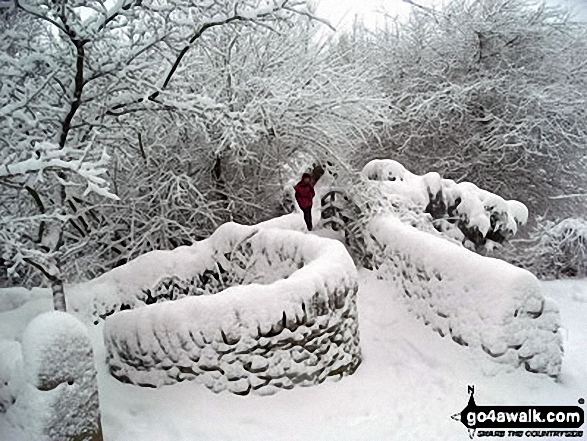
<point>220,187</point>
<point>58,295</point>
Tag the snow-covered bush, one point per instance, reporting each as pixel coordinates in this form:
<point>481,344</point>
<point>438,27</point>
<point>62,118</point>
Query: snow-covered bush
<point>462,211</point>
<point>554,250</point>
<point>477,301</point>
<point>58,399</point>
<point>10,373</point>
<point>250,309</point>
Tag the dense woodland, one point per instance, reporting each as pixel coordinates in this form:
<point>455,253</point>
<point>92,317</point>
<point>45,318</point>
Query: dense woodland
<point>148,124</point>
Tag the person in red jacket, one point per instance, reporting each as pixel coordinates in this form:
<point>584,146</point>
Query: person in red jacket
<point>305,195</point>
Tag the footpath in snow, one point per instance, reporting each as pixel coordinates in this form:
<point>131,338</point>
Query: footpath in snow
<point>410,382</point>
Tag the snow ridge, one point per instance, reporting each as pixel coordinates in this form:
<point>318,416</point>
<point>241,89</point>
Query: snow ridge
<point>476,217</point>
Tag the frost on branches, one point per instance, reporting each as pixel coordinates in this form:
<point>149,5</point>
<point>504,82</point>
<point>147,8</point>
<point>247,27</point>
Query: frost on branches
<point>249,310</point>
<point>197,103</point>
<point>554,250</point>
<point>66,169</point>
<point>500,103</point>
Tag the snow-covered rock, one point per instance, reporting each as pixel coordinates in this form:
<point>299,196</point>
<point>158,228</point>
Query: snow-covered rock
<point>58,399</point>
<point>247,310</point>
<point>477,301</point>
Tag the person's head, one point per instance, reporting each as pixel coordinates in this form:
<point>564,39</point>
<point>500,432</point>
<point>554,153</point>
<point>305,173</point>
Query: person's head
<point>306,178</point>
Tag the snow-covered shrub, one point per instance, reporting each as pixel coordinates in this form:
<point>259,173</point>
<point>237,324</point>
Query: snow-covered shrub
<point>477,301</point>
<point>463,211</point>
<point>249,310</point>
<point>350,208</point>
<point>10,372</point>
<point>554,250</point>
<point>59,397</point>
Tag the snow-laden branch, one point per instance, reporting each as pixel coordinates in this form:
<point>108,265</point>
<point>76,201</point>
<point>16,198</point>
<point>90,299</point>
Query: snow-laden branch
<point>50,157</point>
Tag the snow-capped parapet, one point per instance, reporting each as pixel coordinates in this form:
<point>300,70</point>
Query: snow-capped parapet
<point>58,399</point>
<point>477,301</point>
<point>249,310</point>
<point>461,210</point>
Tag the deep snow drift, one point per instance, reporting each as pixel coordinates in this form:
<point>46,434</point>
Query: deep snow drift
<point>410,383</point>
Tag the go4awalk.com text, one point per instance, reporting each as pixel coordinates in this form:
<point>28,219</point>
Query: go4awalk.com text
<point>522,421</point>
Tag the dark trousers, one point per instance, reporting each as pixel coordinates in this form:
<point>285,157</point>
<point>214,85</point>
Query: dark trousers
<point>308,217</point>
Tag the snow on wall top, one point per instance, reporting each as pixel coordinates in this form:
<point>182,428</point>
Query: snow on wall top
<point>322,262</point>
<point>493,287</point>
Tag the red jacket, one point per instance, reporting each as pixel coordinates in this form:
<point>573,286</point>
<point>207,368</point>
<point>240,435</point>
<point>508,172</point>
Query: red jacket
<point>304,194</point>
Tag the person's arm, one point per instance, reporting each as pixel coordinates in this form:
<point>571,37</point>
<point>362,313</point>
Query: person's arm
<point>296,192</point>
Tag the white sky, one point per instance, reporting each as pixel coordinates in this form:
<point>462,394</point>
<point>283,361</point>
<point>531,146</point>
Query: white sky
<point>341,13</point>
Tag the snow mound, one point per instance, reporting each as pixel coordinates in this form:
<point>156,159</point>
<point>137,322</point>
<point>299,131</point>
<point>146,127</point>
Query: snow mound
<point>292,221</point>
<point>459,209</point>
<point>477,301</point>
<point>249,310</point>
<point>59,396</point>
<point>10,373</point>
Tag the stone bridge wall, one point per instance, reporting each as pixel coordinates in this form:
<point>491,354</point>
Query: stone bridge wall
<point>249,310</point>
<point>476,301</point>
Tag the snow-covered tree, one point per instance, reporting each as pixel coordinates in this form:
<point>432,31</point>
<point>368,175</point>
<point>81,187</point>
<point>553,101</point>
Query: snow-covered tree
<point>76,91</point>
<point>488,91</point>
<point>246,102</point>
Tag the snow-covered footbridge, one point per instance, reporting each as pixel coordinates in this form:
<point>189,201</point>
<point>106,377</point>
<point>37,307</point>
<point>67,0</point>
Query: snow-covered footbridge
<point>258,309</point>
<point>263,308</point>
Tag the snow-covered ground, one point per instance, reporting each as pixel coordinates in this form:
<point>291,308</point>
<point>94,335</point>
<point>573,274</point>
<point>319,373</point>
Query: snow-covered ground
<point>410,382</point>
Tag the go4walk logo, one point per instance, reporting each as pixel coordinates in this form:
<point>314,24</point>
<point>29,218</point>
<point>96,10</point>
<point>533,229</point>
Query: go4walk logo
<point>546,422</point>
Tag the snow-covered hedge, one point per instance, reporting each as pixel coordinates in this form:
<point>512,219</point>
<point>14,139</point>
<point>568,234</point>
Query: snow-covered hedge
<point>463,211</point>
<point>477,301</point>
<point>247,310</point>
<point>57,393</point>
